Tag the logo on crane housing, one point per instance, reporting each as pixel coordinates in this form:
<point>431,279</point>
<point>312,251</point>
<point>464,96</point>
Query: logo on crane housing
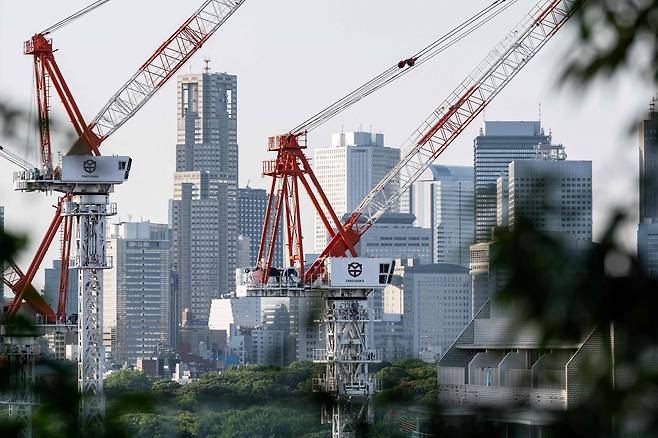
<point>89,166</point>
<point>355,269</point>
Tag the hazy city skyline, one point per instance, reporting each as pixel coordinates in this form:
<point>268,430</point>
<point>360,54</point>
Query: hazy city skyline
<point>334,56</point>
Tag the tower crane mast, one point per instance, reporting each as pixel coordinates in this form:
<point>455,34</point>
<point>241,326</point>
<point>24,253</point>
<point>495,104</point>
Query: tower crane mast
<point>348,356</point>
<point>154,72</point>
<point>87,180</point>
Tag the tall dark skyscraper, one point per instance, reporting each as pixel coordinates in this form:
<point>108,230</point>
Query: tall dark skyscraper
<point>203,211</point>
<point>252,205</point>
<point>649,165</point>
<point>498,145</point>
<point>647,235</point>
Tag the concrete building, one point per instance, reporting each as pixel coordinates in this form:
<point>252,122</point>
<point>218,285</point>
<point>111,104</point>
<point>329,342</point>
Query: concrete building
<point>500,143</point>
<point>51,287</point>
<point>273,341</point>
<point>309,333</point>
<point>554,195</point>
<point>252,205</point>
<point>394,236</point>
<point>348,170</point>
<point>486,279</point>
<point>387,331</point>
<point>244,251</point>
<point>198,254</point>
<point>499,362</point>
<point>437,302</point>
<point>137,294</point>
<point>203,211</point>
<point>268,331</point>
<point>647,236</point>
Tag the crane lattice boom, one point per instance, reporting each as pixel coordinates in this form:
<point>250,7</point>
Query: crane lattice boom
<point>169,57</point>
<point>445,123</point>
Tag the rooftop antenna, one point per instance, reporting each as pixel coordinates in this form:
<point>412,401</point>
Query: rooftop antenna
<point>539,115</point>
<point>248,181</point>
<point>652,105</point>
<point>206,69</point>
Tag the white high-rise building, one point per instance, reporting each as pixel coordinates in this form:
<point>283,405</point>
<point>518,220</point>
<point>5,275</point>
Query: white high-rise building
<point>446,204</point>
<point>348,170</point>
<point>137,298</point>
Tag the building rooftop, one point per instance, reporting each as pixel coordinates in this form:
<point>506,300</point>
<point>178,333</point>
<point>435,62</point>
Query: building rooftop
<point>440,171</point>
<point>512,128</point>
<point>438,268</point>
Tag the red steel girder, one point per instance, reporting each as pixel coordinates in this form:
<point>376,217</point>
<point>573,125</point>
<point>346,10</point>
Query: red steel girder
<point>291,168</point>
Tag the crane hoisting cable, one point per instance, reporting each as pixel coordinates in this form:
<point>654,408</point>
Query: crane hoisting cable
<point>404,66</point>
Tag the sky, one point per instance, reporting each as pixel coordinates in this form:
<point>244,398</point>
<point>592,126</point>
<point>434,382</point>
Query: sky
<point>293,58</point>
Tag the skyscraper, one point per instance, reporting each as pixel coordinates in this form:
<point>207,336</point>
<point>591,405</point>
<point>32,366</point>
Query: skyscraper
<point>137,297</point>
<point>348,170</point>
<point>649,165</point>
<point>252,205</point>
<point>500,143</point>
<point>445,204</point>
<point>203,211</point>
<point>555,195</point>
<point>647,236</point>
<point>453,227</point>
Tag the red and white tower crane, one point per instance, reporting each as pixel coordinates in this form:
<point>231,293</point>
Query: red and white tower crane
<point>86,179</point>
<point>348,352</point>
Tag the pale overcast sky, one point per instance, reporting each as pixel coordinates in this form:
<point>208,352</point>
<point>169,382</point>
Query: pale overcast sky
<point>292,58</point>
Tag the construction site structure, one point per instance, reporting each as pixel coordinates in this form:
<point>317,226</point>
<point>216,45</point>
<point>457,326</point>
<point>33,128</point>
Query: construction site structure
<point>348,352</point>
<point>86,179</point>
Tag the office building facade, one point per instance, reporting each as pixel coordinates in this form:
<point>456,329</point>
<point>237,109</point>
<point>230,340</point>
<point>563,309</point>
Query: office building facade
<point>252,206</point>
<point>554,195</point>
<point>436,307</point>
<point>348,170</point>
<point>203,211</point>
<point>445,202</point>
<point>137,297</point>
<point>500,143</point>
<point>647,236</point>
<point>394,236</point>
<point>453,225</point>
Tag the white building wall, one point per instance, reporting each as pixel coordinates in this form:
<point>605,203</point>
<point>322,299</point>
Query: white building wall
<point>348,170</point>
